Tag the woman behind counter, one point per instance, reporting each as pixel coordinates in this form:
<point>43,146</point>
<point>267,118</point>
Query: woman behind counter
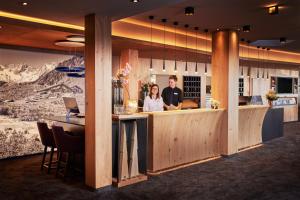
<point>154,101</point>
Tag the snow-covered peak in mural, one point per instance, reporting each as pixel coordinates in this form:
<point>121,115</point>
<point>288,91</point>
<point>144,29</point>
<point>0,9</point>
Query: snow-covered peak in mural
<point>20,73</point>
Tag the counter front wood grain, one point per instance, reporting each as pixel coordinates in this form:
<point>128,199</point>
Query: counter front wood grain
<point>181,137</point>
<point>250,125</point>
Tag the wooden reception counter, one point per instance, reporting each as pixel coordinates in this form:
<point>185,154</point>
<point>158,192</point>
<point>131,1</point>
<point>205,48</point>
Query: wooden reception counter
<point>183,136</point>
<point>250,125</point>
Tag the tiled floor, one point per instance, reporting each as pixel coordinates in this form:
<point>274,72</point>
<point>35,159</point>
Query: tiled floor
<point>268,172</point>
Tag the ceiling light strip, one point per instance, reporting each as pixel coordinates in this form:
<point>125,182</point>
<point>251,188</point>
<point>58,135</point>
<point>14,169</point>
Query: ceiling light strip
<point>39,20</point>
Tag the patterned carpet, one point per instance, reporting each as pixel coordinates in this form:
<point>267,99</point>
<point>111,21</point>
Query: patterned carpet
<point>268,172</point>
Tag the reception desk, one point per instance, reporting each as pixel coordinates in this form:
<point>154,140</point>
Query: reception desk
<point>250,125</point>
<point>183,136</point>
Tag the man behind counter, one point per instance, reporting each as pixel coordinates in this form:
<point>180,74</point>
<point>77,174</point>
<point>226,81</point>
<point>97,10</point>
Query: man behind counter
<point>172,95</point>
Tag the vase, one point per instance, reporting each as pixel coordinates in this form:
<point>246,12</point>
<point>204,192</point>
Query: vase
<point>270,103</point>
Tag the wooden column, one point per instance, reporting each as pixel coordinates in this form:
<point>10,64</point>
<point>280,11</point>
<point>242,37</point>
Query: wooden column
<point>225,75</point>
<point>98,119</point>
<point>131,56</point>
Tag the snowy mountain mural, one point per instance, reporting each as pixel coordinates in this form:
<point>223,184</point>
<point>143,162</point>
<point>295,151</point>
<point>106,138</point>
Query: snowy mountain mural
<point>30,90</point>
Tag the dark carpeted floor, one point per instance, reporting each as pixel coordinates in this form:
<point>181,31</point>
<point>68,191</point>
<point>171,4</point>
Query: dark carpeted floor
<point>268,172</point>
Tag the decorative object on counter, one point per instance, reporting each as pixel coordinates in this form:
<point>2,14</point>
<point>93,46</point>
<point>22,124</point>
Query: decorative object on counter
<point>214,104</point>
<point>119,83</point>
<point>131,107</point>
<point>119,109</point>
<point>271,96</point>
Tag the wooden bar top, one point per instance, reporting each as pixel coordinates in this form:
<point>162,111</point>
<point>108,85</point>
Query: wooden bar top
<point>178,112</point>
<point>130,116</point>
<point>253,107</point>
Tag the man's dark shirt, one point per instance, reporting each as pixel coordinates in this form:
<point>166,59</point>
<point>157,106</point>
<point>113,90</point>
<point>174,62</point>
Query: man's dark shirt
<point>172,96</point>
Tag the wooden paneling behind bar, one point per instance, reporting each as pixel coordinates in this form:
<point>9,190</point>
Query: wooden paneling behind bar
<point>250,125</point>
<point>98,129</point>
<point>181,137</point>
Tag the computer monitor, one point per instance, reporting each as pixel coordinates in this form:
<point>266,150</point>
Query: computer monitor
<point>71,105</point>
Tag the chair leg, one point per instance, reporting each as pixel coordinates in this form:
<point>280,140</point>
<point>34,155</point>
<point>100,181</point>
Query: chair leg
<point>50,161</point>
<point>44,157</point>
<point>58,163</point>
<point>68,159</point>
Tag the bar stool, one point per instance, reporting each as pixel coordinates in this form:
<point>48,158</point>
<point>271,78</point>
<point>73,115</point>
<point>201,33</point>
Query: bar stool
<point>47,140</point>
<point>68,144</point>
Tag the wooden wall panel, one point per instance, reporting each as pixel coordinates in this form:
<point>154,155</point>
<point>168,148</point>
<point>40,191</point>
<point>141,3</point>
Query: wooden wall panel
<point>180,137</point>
<point>250,125</point>
<point>98,129</point>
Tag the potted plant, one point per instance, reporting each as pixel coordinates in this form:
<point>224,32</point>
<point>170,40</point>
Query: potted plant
<point>145,89</point>
<point>271,96</point>
<point>214,104</point>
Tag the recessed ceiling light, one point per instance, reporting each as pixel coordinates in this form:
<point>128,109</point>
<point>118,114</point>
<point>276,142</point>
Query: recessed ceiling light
<point>24,3</point>
<point>246,28</point>
<point>134,1</point>
<point>76,38</point>
<point>273,10</point>
<point>189,11</point>
<point>67,43</point>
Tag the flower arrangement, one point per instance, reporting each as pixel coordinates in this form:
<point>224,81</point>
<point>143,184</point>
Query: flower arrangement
<point>214,104</point>
<point>271,95</point>
<point>123,73</point>
<point>145,87</point>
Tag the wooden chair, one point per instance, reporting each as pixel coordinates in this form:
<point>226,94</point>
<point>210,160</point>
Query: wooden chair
<point>69,145</point>
<point>47,140</point>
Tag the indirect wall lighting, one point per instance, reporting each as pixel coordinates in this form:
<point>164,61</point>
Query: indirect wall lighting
<point>189,11</point>
<point>151,29</point>
<point>175,54</point>
<point>273,10</point>
<point>164,60</point>
<point>134,1</point>
<point>39,20</point>
<point>246,28</point>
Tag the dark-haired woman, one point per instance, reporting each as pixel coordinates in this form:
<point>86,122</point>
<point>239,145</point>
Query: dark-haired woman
<point>153,102</point>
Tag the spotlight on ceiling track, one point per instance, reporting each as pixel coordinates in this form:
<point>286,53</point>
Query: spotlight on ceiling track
<point>189,11</point>
<point>273,10</point>
<point>246,28</point>
<point>134,1</point>
<point>282,40</point>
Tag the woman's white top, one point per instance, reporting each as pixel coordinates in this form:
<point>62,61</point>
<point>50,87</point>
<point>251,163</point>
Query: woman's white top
<point>153,104</point>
